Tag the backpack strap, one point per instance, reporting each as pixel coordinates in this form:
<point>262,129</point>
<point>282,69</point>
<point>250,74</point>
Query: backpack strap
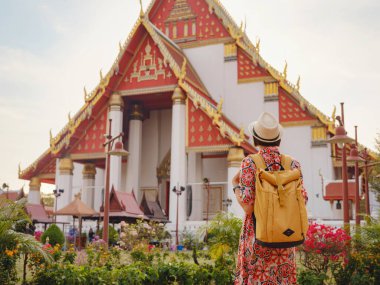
<point>258,160</point>
<point>286,161</point>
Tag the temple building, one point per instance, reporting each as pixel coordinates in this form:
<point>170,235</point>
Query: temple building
<point>182,91</point>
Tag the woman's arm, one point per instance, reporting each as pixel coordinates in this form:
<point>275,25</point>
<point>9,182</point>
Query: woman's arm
<point>245,178</point>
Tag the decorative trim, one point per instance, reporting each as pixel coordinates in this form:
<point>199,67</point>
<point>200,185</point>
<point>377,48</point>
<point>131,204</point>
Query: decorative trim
<point>89,171</point>
<point>150,90</point>
<point>178,96</point>
<point>47,176</point>
<point>270,98</point>
<point>82,156</point>
<point>194,44</point>
<point>66,166</point>
<point>255,79</point>
<point>299,123</point>
<point>217,148</point>
<point>35,184</point>
<point>235,156</point>
<point>116,101</point>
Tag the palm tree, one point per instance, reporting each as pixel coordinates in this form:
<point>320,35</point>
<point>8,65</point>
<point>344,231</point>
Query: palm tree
<point>13,242</point>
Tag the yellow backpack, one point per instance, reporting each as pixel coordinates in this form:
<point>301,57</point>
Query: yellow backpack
<point>280,216</point>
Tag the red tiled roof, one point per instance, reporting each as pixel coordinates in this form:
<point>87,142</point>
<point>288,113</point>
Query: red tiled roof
<point>37,213</point>
<point>123,204</point>
<point>334,191</point>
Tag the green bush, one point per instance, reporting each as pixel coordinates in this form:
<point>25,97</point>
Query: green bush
<point>309,277</point>
<point>113,235</point>
<point>55,235</point>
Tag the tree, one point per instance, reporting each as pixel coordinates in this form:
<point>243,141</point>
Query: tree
<point>374,178</point>
<point>13,243</point>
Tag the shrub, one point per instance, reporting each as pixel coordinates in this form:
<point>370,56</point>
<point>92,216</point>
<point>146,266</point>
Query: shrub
<point>113,235</point>
<point>55,235</point>
<point>324,246</point>
<point>309,277</point>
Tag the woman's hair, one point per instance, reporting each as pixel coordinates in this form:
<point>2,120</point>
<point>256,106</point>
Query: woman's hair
<point>258,142</point>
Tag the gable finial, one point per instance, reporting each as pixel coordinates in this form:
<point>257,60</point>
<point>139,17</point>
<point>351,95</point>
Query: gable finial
<point>258,45</point>
<point>298,83</point>
<point>101,75</point>
<point>19,168</point>
<point>85,94</point>
<point>120,46</point>
<point>285,72</point>
<point>141,10</point>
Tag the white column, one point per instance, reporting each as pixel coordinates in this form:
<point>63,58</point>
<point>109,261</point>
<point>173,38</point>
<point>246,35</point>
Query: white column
<point>65,182</point>
<point>88,184</point>
<point>178,163</point>
<point>234,158</point>
<point>34,196</point>
<point>195,176</point>
<point>134,148</point>
<point>115,112</point>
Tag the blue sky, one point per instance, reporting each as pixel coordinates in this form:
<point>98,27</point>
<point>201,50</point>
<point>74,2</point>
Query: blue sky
<point>50,49</point>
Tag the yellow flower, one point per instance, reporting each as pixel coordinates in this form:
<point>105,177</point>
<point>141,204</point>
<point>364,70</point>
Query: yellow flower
<point>9,252</point>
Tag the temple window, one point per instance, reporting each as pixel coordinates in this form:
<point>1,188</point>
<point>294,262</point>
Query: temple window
<point>175,31</point>
<point>185,30</point>
<point>194,29</point>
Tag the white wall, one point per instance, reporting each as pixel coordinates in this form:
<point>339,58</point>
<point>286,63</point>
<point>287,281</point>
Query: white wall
<point>149,153</point>
<point>99,186</point>
<point>77,179</point>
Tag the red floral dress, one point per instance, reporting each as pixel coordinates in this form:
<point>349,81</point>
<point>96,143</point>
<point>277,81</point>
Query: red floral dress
<point>257,265</point>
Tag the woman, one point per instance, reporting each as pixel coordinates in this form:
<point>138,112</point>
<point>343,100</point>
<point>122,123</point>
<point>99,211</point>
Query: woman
<point>258,265</point>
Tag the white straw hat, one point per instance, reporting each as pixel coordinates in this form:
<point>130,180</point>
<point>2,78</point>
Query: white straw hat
<point>266,128</point>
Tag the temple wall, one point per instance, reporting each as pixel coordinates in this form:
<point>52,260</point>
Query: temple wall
<point>296,142</point>
<point>220,78</point>
<point>156,141</point>
<point>99,188</point>
<point>149,153</point>
<point>208,61</point>
<point>77,179</point>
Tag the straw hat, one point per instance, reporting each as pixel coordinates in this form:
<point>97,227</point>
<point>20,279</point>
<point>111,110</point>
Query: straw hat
<point>266,128</point>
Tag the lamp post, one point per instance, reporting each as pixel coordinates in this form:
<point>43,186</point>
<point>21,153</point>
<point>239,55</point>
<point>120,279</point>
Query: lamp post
<point>178,191</point>
<point>117,151</point>
<point>57,193</point>
<point>227,202</point>
<point>342,139</point>
<point>354,156</point>
<point>365,156</point>
<point>6,186</point>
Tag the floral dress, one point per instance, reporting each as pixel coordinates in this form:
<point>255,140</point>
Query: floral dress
<point>258,265</point>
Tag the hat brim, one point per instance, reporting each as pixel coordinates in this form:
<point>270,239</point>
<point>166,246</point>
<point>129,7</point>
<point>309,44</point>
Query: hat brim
<point>251,129</point>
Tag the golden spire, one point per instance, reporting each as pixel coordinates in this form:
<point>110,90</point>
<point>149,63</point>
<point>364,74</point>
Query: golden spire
<point>258,45</point>
<point>285,72</point>
<point>182,74</point>
<point>85,93</point>
<point>220,106</point>
<point>141,10</point>
<point>333,115</point>
<point>298,85</point>
<point>242,133</point>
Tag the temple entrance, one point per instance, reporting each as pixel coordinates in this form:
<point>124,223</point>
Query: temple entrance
<point>212,201</point>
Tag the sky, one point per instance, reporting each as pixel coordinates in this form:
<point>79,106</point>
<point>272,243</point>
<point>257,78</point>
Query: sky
<point>51,49</point>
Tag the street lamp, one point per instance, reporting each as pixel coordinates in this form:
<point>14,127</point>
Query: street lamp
<point>341,139</point>
<point>366,157</point>
<point>117,151</point>
<point>227,202</point>
<point>354,156</point>
<point>57,193</point>
<point>178,191</point>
